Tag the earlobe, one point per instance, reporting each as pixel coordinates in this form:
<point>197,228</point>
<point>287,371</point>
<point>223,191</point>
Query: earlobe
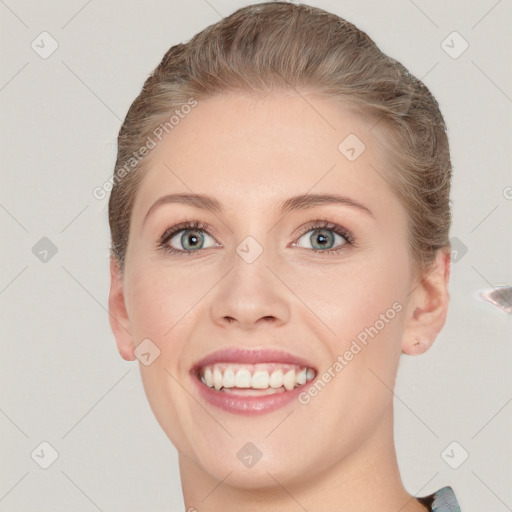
<point>415,348</point>
<point>118,315</point>
<point>429,307</point>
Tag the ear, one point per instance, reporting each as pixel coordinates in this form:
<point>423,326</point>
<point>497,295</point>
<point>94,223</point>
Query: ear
<point>429,307</point>
<point>118,316</point>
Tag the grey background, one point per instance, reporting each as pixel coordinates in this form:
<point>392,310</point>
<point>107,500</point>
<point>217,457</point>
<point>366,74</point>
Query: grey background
<point>62,380</point>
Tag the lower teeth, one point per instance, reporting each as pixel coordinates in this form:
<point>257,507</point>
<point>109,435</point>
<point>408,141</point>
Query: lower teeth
<point>248,391</point>
<point>252,391</point>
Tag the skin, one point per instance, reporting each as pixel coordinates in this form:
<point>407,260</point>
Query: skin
<point>251,152</point>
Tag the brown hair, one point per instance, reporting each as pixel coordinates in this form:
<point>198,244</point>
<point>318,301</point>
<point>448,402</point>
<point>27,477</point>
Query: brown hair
<point>277,46</point>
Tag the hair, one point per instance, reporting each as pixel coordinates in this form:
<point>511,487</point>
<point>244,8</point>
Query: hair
<point>282,46</point>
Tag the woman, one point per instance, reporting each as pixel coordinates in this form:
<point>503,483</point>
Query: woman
<point>280,223</point>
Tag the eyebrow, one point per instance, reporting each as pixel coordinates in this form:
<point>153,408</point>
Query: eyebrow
<point>300,202</point>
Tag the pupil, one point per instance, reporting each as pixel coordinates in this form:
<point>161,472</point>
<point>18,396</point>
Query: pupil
<point>322,238</point>
<point>192,239</point>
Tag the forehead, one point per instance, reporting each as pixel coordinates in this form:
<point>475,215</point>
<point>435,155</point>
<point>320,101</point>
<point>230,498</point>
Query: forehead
<point>252,151</point>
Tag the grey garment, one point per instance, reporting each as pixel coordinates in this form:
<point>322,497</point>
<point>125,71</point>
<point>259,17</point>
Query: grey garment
<point>443,500</point>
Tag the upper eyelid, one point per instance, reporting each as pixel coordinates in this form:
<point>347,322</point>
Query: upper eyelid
<point>189,225</point>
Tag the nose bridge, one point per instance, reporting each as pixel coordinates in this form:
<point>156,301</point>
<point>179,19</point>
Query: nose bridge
<point>256,255</point>
<point>250,249</point>
<point>252,237</point>
<point>250,291</point>
<point>250,266</point>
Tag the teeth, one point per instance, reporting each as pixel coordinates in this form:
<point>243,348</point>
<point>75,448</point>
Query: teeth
<point>217,378</point>
<point>229,378</point>
<point>289,380</point>
<point>258,376</point>
<point>242,378</point>
<point>208,376</point>
<point>276,379</point>
<point>260,379</point>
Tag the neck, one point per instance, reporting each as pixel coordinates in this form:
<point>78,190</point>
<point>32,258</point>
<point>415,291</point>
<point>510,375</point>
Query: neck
<point>366,480</point>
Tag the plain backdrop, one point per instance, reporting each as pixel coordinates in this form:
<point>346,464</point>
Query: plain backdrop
<point>62,379</point>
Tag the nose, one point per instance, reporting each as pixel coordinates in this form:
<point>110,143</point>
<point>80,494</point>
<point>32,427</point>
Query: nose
<point>250,294</point>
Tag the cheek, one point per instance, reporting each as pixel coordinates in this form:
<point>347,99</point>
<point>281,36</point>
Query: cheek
<point>158,306</point>
<point>161,301</point>
<point>361,306</point>
<point>350,297</point>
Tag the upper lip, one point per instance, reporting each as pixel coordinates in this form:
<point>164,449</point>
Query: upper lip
<point>250,356</point>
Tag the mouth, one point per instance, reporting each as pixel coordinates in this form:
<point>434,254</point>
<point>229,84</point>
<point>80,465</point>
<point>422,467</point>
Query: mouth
<point>251,381</point>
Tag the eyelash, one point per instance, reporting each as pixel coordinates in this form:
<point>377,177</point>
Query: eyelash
<point>318,224</point>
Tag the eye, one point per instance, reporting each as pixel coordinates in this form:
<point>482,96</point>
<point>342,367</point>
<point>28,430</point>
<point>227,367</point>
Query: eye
<point>191,239</point>
<point>192,235</point>
<point>324,237</point>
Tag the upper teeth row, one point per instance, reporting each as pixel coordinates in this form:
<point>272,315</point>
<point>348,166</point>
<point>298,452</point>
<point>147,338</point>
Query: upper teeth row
<point>230,376</point>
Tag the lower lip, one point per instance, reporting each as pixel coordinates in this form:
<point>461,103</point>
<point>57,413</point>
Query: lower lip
<point>248,405</point>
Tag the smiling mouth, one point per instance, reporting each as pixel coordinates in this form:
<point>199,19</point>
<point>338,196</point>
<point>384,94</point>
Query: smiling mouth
<point>254,379</point>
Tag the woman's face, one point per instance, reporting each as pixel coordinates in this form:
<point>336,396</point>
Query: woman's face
<point>260,277</point>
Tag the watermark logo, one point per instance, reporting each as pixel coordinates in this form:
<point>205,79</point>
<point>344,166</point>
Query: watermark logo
<point>454,455</point>
<point>351,147</point>
<point>157,135</point>
<point>45,45</point>
<point>249,249</point>
<point>146,352</point>
<point>343,359</point>
<point>458,249</point>
<point>44,455</point>
<point>249,455</point>
<point>44,250</point>
<point>454,45</point>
